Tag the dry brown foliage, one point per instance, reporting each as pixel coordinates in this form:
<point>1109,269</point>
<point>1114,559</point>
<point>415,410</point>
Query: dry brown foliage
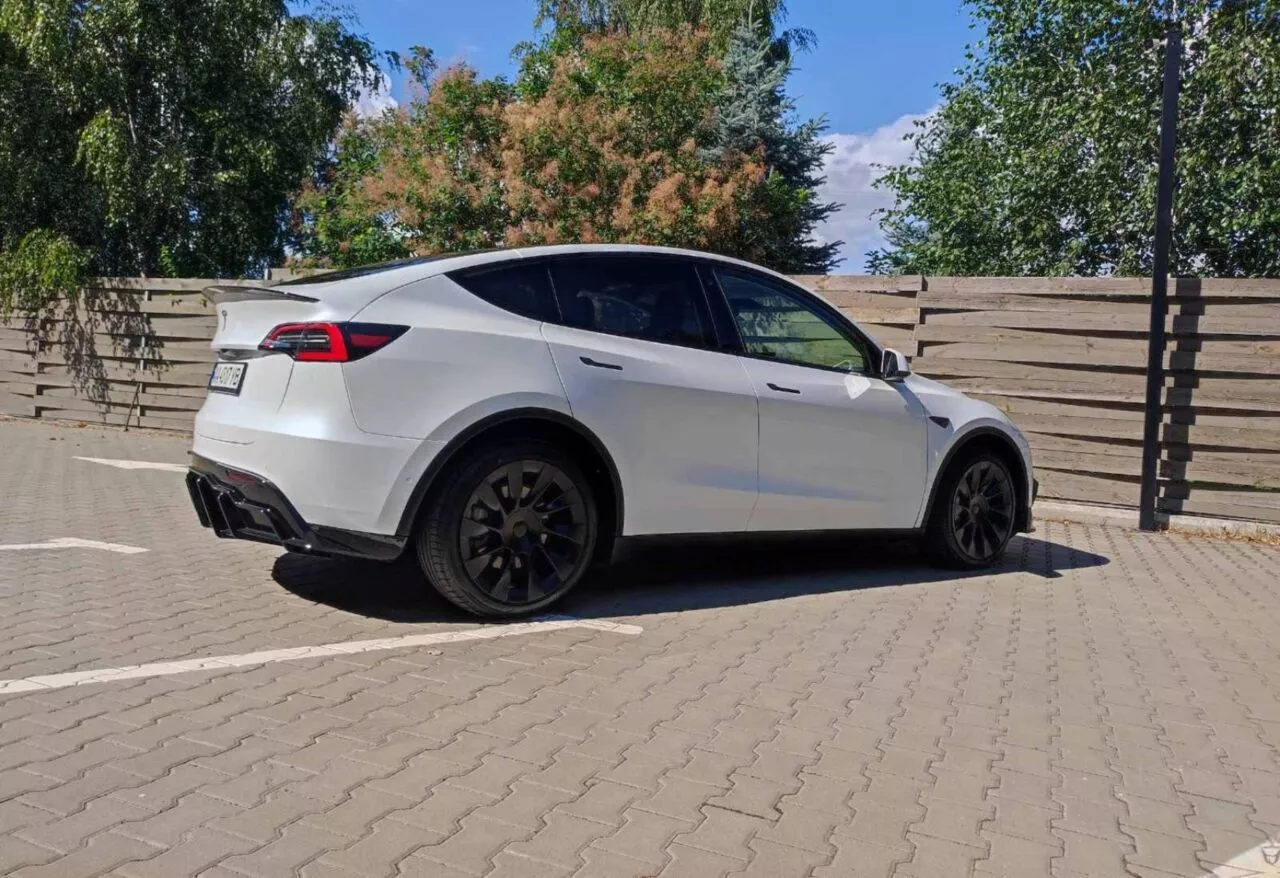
<point>613,148</point>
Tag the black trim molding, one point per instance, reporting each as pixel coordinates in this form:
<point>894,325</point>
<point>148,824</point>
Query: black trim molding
<point>244,506</point>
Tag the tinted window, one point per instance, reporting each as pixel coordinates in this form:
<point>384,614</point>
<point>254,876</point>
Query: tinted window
<point>653,299</point>
<point>520,287</point>
<point>784,326</point>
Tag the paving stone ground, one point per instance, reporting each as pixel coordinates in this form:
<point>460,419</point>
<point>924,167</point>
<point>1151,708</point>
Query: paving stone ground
<point>1106,703</point>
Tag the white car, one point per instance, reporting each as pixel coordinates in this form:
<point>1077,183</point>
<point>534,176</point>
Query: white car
<point>508,416</point>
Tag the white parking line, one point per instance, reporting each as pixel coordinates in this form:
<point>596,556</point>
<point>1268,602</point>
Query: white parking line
<point>328,650</point>
<point>138,464</point>
<point>73,543</point>
<point>1260,862</point>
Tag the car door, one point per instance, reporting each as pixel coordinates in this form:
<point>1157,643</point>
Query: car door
<point>839,447</point>
<point>642,369</point>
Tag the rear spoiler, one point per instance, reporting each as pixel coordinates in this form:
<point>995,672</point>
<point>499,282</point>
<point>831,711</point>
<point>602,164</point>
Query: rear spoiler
<point>221,294</point>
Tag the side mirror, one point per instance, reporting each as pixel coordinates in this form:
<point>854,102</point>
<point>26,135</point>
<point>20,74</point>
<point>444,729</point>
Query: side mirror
<point>893,365</point>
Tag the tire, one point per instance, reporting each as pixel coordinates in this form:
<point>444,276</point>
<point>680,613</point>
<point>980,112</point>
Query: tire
<point>510,530</point>
<point>975,512</point>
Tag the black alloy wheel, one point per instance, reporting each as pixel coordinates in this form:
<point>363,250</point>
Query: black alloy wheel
<point>510,529</point>
<point>982,508</point>
<point>523,532</point>
<point>974,514</point>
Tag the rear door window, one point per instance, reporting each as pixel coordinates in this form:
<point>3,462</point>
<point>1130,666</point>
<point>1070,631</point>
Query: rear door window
<point>648,298</point>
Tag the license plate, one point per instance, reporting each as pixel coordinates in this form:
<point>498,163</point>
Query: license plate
<point>227,377</point>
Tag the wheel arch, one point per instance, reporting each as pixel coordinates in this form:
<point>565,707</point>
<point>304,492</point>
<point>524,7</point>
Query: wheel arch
<point>998,441</point>
<point>526,421</point>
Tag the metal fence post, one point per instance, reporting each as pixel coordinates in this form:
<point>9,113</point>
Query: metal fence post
<point>1160,276</point>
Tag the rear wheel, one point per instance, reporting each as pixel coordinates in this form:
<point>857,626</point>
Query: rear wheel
<point>511,529</point>
<point>973,513</point>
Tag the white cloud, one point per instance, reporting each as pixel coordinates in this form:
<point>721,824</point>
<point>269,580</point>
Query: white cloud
<point>376,100</point>
<point>850,171</point>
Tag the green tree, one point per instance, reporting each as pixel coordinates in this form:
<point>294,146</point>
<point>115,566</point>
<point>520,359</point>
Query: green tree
<point>423,178</point>
<point>720,18</point>
<point>604,138</point>
<point>164,136</point>
<point>755,115</point>
<point>1042,156</point>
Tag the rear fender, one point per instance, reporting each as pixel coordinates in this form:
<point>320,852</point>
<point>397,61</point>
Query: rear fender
<point>402,504</point>
<point>425,466</point>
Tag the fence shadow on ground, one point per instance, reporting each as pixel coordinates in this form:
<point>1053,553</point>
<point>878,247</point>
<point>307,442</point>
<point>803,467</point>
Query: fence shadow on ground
<point>676,577</point>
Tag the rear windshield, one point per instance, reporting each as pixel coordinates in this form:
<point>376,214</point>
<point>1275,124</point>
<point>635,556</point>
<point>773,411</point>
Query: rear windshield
<point>326,277</point>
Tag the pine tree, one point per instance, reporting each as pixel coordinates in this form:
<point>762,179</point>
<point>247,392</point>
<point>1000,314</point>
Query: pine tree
<point>755,115</point>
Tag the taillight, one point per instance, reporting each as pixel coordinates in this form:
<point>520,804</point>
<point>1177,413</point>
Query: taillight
<point>315,342</point>
<point>330,342</point>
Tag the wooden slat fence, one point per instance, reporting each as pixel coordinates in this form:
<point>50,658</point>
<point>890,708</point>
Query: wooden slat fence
<point>130,352</point>
<point>1065,357</point>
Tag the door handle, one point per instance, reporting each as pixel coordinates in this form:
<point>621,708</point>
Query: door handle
<point>600,365</point>
<point>781,389</point>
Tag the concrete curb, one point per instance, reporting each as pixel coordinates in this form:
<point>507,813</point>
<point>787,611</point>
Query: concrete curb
<point>1118,516</point>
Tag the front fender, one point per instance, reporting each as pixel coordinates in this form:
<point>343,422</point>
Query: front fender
<point>946,442</point>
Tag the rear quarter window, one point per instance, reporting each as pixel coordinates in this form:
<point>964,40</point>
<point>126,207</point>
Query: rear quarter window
<point>521,288</point>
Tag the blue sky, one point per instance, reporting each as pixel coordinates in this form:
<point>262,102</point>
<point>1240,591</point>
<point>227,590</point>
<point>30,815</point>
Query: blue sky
<point>876,68</point>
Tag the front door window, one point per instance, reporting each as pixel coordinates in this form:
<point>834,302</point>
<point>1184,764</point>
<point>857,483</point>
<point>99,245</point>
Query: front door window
<point>779,325</point>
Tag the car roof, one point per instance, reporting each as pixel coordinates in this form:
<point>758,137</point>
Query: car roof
<point>390,275</point>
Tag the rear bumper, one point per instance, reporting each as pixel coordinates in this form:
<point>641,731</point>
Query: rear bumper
<point>240,505</point>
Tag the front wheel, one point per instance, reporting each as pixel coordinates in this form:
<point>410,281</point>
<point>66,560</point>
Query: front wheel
<point>511,529</point>
<point>973,513</point>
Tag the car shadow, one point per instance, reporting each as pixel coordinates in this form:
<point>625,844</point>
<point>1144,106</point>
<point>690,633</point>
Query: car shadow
<point>395,592</point>
<point>675,577</point>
